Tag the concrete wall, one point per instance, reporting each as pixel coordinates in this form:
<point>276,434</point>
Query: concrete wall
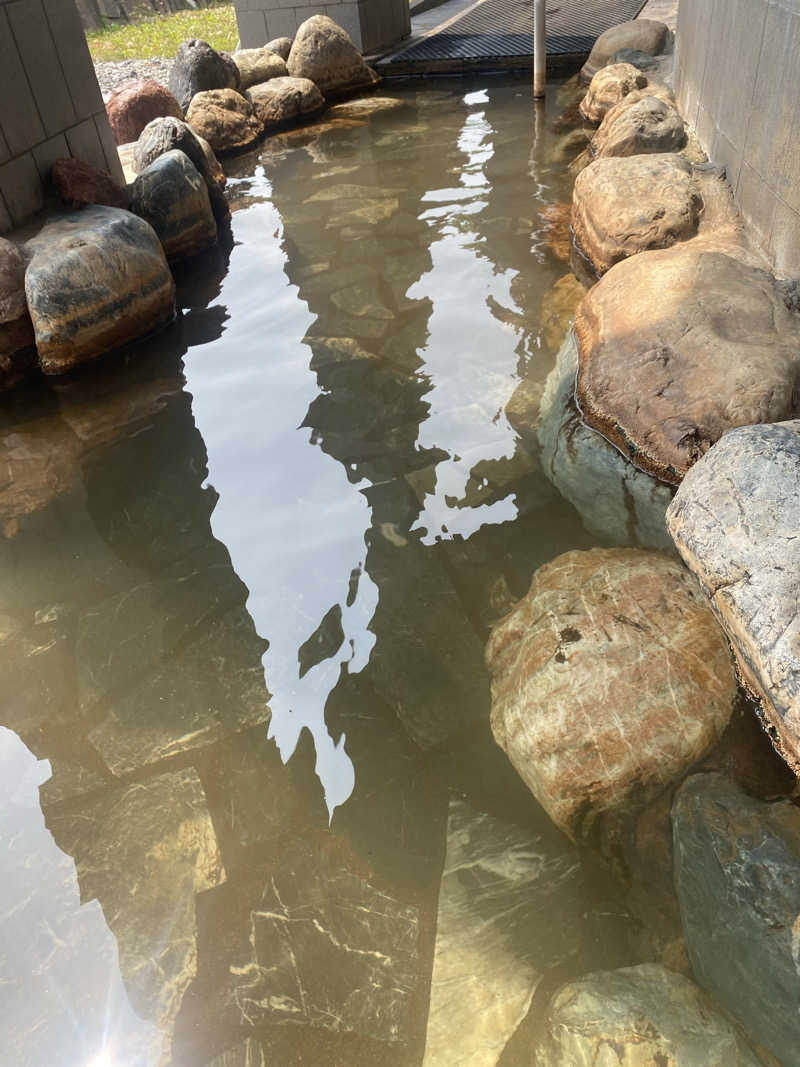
<point>737,75</point>
<point>50,103</point>
<point>372,24</point>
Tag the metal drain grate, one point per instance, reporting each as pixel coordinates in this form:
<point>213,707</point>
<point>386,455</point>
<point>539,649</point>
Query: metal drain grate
<point>504,28</point>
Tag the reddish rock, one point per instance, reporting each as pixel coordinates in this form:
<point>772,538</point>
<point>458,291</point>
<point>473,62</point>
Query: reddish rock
<point>79,184</point>
<point>135,103</point>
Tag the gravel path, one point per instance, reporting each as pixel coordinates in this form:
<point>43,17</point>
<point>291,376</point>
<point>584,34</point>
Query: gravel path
<point>110,75</point>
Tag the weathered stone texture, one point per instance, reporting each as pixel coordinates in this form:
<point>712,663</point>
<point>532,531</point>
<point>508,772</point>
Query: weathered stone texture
<point>198,68</point>
<point>324,53</point>
<point>258,65</point>
<point>225,119</point>
<point>608,87</point>
<point>173,198</point>
<point>284,100</point>
<point>644,35</point>
<point>136,103</point>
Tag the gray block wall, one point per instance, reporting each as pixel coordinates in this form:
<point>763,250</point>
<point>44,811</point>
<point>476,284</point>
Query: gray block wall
<point>372,24</point>
<point>736,76</point>
<point>50,103</point>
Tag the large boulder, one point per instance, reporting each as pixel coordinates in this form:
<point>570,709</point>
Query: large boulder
<point>621,206</point>
<point>173,198</point>
<point>96,279</point>
<point>258,65</point>
<point>225,119</point>
<point>647,1015</point>
<point>643,35</point>
<point>78,183</point>
<point>135,103</point>
<point>608,87</point>
<point>679,345</point>
<point>323,52</point>
<point>737,872</point>
<point>609,679</point>
<point>165,135</point>
<point>734,521</point>
<point>16,330</point>
<point>615,501</point>
<point>284,100</point>
<point>197,68</point>
<point>651,124</point>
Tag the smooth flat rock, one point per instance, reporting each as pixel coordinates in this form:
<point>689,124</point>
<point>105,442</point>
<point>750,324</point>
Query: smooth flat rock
<point>365,107</point>
<point>283,100</point>
<point>173,198</point>
<point>78,184</point>
<point>614,499</point>
<point>510,907</point>
<point>258,65</point>
<point>734,521</point>
<point>651,124</point>
<point>622,206</point>
<point>225,119</point>
<point>97,279</point>
<point>678,346</point>
<point>737,873</point>
<point>324,52</point>
<point>644,35</point>
<point>167,134</point>
<point>135,103</point>
<point>647,1015</point>
<point>197,68</point>
<point>609,679</point>
<point>608,87</point>
<point>16,329</point>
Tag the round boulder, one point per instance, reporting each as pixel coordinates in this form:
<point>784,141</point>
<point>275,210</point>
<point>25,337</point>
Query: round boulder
<point>649,125</point>
<point>225,119</point>
<point>323,52</point>
<point>676,347</point>
<point>643,35</point>
<point>258,65</point>
<point>97,279</point>
<point>16,331</point>
<point>78,183</point>
<point>608,87</point>
<point>621,206</point>
<point>283,100</point>
<point>609,679</point>
<point>165,135</point>
<point>134,104</point>
<point>197,68</point>
<point>281,46</point>
<point>173,198</point>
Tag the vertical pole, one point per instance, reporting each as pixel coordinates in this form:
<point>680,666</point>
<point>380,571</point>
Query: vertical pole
<point>539,50</point>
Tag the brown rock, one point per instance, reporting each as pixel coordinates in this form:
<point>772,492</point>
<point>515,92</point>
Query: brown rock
<point>258,65</point>
<point>608,87</point>
<point>558,310</point>
<point>323,52</point>
<point>678,346</point>
<point>649,125</point>
<point>628,205</point>
<point>609,679</point>
<point>643,35</point>
<point>78,183</point>
<point>225,119</point>
<point>554,229</point>
<point>364,107</point>
<point>285,100</point>
<point>134,104</point>
<point>281,46</point>
<point>16,331</point>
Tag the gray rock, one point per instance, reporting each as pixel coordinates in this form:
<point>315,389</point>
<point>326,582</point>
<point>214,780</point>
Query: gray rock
<point>199,67</point>
<point>734,521</point>
<point>281,46</point>
<point>737,872</point>
<point>258,65</point>
<point>643,35</point>
<point>97,279</point>
<point>615,500</point>
<point>173,198</point>
<point>637,58</point>
<point>323,52</point>
<point>647,1015</point>
<point>510,907</point>
<point>284,100</point>
<point>164,135</point>
<point>16,330</point>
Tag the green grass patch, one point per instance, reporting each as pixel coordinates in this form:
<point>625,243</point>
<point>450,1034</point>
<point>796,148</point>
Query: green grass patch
<point>161,35</point>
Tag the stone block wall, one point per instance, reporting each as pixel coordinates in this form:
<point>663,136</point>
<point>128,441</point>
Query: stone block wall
<point>50,103</point>
<point>372,24</point>
<point>737,71</point>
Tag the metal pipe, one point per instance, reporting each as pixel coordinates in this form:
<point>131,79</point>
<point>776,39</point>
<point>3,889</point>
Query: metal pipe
<point>539,50</point>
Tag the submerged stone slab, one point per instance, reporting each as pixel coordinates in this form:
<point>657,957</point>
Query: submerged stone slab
<point>173,198</point>
<point>647,1015</point>
<point>283,99</point>
<point>323,52</point>
<point>609,679</point>
<point>645,35</point>
<point>510,907</point>
<point>608,87</point>
<point>737,872</point>
<point>97,279</point>
<point>225,119</point>
<point>365,107</point>
<point>651,124</point>
<point>678,346</point>
<point>734,521</point>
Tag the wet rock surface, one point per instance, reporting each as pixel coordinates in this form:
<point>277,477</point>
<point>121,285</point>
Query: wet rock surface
<point>258,65</point>
<point>136,103</point>
<point>16,330</point>
<point>198,68</point>
<point>651,124</point>
<point>173,198</point>
<point>737,865</point>
<point>609,679</point>
<point>644,35</point>
<point>97,279</point>
<point>678,346</point>
<point>324,53</point>
<point>284,100</point>
<point>608,87</point>
<point>646,1015</point>
<point>168,134</point>
<point>79,184</point>
<point>225,119</point>
<point>734,522</point>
